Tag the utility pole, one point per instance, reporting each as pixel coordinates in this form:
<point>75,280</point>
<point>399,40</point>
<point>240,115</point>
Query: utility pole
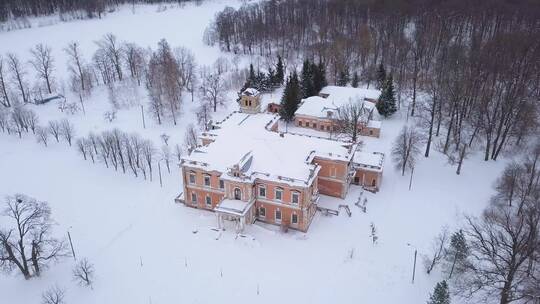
<point>410,181</point>
<point>414,267</point>
<point>142,114</point>
<point>159,170</point>
<point>71,245</point>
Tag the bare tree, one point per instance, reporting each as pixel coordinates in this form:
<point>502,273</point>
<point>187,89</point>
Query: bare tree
<point>53,295</point>
<point>204,115</point>
<point>439,251</point>
<point>502,246</point>
<point>25,236</point>
<point>67,130</point>
<point>54,129</point>
<point>136,61</point>
<point>148,152</point>
<point>42,135</point>
<point>114,51</point>
<point>77,67</point>
<point>43,63</point>
<point>406,149</point>
<point>18,74</point>
<point>350,117</point>
<point>212,89</point>
<point>4,96</point>
<point>83,273</point>
<point>191,138</point>
<point>166,156</point>
<point>187,64</point>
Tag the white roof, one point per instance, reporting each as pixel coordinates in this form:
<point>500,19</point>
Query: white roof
<point>369,160</point>
<point>347,92</point>
<point>317,106</point>
<point>236,207</point>
<point>243,140</point>
<point>251,92</point>
<point>375,124</point>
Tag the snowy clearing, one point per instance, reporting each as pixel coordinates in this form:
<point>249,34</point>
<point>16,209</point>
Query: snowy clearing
<point>147,249</point>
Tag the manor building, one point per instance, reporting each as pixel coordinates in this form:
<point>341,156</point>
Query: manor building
<point>322,112</point>
<point>246,170</point>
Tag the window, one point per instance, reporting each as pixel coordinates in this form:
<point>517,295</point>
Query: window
<point>262,191</point>
<point>208,200</point>
<point>295,198</point>
<point>278,215</point>
<point>262,212</point>
<point>194,198</point>
<point>221,184</point>
<point>373,183</point>
<point>370,132</point>
<point>237,194</point>
<point>279,194</point>
<point>314,126</point>
<point>294,218</point>
<point>322,128</point>
<point>207,180</point>
<point>300,123</point>
<point>333,171</point>
<point>192,177</point>
<point>328,128</point>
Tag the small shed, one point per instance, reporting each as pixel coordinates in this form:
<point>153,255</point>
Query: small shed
<point>48,98</point>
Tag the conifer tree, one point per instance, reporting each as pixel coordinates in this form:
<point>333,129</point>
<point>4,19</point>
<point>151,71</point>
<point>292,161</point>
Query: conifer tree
<point>457,252</point>
<point>280,72</point>
<point>440,294</point>
<point>307,80</point>
<point>355,80</point>
<point>387,101</point>
<point>343,78</point>
<point>319,77</point>
<point>291,98</point>
<point>251,72</point>
<point>381,77</point>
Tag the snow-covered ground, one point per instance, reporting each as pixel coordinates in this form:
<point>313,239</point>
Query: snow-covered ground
<point>146,249</point>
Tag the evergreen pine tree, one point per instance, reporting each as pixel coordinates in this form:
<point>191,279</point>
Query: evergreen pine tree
<point>440,294</point>
<point>307,80</point>
<point>280,72</point>
<point>355,80</point>
<point>387,101</point>
<point>271,81</point>
<point>251,73</point>
<point>321,74</point>
<point>381,77</point>
<point>458,252</point>
<point>291,98</point>
<point>343,78</point>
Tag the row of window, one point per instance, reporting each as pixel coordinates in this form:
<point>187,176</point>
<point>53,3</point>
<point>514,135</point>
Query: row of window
<point>278,193</point>
<point>193,176</point>
<point>277,215</point>
<point>262,210</point>
<point>314,126</point>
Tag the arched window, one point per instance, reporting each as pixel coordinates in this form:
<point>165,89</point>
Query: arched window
<point>373,183</point>
<point>237,194</point>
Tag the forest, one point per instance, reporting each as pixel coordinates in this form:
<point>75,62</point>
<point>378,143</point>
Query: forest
<point>10,9</point>
<point>476,68</point>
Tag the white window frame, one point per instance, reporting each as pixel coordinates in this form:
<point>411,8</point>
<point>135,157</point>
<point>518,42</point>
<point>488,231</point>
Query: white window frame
<point>193,198</point>
<point>276,192</point>
<point>293,194</point>
<point>207,176</point>
<point>262,208</point>
<point>234,193</point>
<point>280,215</point>
<point>194,175</point>
<point>292,221</point>
<point>333,171</point>
<point>221,184</point>
<point>262,187</point>
<point>206,200</point>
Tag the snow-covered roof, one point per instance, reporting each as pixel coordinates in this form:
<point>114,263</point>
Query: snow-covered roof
<point>243,140</point>
<point>250,92</point>
<point>375,124</point>
<point>327,107</point>
<point>336,92</point>
<point>369,160</point>
<point>236,207</point>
